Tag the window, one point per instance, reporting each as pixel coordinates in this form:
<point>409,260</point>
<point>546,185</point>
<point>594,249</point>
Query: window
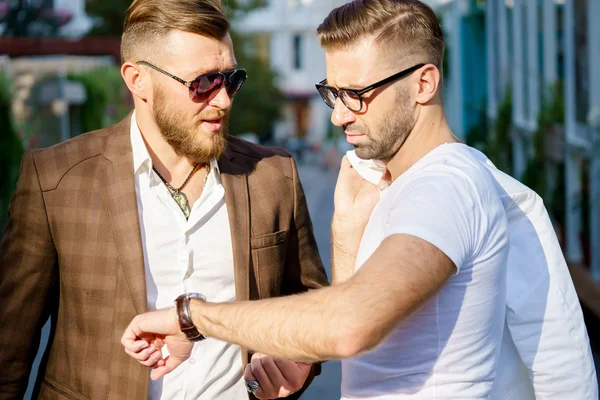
<point>297,46</point>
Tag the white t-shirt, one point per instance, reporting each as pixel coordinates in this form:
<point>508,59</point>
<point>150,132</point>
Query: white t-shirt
<point>449,348</point>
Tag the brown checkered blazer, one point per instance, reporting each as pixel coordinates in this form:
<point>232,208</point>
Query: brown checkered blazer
<point>72,250</point>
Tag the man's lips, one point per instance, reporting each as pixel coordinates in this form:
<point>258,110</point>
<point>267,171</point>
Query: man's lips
<point>212,125</point>
<point>354,134</point>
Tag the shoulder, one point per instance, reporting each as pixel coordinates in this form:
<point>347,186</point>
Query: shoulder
<point>53,163</point>
<point>270,160</point>
<point>452,171</point>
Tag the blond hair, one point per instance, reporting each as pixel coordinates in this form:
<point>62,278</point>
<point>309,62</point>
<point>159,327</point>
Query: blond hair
<point>411,27</point>
<point>148,23</point>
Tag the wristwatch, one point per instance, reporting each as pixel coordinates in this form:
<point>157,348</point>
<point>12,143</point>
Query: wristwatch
<point>185,317</point>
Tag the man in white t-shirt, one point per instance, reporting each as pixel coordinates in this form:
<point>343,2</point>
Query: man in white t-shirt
<point>417,307</point>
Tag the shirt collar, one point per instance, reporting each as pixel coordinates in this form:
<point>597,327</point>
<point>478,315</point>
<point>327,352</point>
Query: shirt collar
<point>142,162</point>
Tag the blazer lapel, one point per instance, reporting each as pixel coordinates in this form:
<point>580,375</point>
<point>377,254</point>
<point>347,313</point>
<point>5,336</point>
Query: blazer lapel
<point>118,190</point>
<point>235,181</point>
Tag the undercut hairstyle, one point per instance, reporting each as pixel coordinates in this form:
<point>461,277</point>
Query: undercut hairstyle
<point>409,27</point>
<point>149,22</point>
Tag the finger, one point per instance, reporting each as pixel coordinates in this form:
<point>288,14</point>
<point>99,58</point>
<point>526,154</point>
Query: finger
<point>152,360</point>
<point>142,355</point>
<point>161,369</point>
<point>157,342</point>
<point>131,341</point>
<point>295,373</point>
<point>138,345</point>
<point>248,375</point>
<point>272,370</point>
<point>262,377</point>
<point>289,369</point>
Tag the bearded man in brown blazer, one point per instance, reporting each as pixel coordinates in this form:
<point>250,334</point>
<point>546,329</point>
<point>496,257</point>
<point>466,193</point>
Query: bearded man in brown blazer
<point>125,219</point>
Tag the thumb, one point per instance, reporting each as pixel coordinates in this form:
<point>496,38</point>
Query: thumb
<point>170,363</point>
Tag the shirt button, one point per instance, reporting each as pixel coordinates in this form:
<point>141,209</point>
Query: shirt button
<point>192,361</point>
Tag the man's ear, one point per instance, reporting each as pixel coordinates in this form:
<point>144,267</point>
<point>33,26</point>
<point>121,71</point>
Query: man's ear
<point>429,84</point>
<point>137,81</point>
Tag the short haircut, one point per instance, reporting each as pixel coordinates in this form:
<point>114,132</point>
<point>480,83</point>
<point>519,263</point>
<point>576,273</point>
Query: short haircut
<point>149,22</point>
<point>410,26</point>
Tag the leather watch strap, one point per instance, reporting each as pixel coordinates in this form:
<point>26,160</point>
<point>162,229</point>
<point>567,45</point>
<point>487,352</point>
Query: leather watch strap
<point>185,317</point>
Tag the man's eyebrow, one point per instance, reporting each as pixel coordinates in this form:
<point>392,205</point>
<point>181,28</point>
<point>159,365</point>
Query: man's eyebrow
<point>208,71</point>
<point>352,87</point>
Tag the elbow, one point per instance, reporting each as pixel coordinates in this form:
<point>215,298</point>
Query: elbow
<point>355,341</point>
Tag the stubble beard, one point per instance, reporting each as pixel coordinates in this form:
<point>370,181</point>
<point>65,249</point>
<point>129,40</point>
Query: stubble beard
<point>391,134</point>
<point>186,137</point>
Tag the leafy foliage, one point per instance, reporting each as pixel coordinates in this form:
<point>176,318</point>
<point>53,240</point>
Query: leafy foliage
<point>500,146</point>
<point>34,18</point>
<point>108,100</point>
<point>11,150</point>
<point>258,104</point>
<point>535,175</point>
<point>108,16</point>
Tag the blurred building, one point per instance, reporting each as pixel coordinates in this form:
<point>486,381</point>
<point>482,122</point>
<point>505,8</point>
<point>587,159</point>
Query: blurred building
<point>80,23</point>
<point>539,58</point>
<point>44,48</point>
<point>46,105</point>
<point>285,32</point>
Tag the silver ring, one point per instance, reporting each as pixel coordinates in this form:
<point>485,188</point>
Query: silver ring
<point>252,386</point>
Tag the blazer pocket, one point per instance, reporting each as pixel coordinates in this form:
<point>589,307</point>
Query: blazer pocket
<point>51,389</point>
<point>268,259</point>
<point>271,239</point>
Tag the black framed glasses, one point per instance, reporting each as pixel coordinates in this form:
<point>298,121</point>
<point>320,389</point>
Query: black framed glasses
<point>202,86</point>
<point>351,98</point>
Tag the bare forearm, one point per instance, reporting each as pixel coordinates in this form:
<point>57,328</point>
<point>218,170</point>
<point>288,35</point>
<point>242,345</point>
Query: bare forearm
<point>307,327</point>
<point>342,263</point>
<point>345,239</point>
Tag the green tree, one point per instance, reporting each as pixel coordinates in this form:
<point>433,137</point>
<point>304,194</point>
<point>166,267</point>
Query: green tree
<point>108,16</point>
<point>11,150</point>
<point>108,100</point>
<point>257,106</point>
<point>34,18</point>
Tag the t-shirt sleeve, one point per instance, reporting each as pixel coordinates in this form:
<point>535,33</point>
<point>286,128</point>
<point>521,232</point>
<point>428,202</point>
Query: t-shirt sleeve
<point>444,211</point>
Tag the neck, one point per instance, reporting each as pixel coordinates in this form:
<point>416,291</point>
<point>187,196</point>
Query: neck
<point>430,131</point>
<point>165,159</point>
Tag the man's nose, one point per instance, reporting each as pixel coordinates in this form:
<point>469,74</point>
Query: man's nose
<point>341,115</point>
<point>220,99</point>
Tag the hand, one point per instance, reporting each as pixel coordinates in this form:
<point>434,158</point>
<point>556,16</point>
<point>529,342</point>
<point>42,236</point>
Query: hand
<point>355,197</point>
<point>148,333</point>
<point>277,378</point>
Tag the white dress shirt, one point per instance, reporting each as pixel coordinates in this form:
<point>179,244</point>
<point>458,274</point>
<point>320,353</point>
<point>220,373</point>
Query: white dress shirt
<point>181,256</point>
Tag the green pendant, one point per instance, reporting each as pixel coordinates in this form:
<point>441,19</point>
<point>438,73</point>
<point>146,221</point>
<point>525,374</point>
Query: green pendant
<point>182,201</point>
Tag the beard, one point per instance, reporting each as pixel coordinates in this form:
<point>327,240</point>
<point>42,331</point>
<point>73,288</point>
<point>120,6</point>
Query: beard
<point>186,136</point>
<point>391,133</point>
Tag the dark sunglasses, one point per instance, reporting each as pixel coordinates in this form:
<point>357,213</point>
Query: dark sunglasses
<point>204,85</point>
<point>351,98</point>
